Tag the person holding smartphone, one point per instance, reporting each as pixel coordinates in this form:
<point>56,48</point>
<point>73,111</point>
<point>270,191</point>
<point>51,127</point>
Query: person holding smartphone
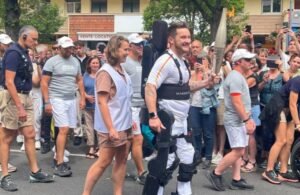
<point>270,81</point>
<point>293,46</point>
<point>282,111</point>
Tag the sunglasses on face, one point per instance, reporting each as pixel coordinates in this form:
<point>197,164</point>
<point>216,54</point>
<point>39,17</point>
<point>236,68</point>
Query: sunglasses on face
<point>247,59</point>
<point>141,44</point>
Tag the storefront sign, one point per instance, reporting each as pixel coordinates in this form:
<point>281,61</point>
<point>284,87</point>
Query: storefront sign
<point>83,36</point>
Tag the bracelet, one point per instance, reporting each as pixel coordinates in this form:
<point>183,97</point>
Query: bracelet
<point>244,121</point>
<point>46,103</point>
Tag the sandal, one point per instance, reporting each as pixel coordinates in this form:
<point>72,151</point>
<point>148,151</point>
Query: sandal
<point>244,162</point>
<point>246,168</point>
<point>91,156</point>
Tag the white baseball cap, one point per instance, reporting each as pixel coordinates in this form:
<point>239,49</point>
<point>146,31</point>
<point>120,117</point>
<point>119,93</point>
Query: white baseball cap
<point>135,38</point>
<point>5,39</point>
<point>242,53</point>
<point>65,42</point>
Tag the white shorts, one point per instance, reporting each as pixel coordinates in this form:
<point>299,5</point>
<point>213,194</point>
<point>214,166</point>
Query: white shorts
<point>237,136</point>
<point>136,119</point>
<point>64,112</point>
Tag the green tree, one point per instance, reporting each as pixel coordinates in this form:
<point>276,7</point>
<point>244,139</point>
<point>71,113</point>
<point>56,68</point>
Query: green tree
<point>203,16</point>
<point>38,13</point>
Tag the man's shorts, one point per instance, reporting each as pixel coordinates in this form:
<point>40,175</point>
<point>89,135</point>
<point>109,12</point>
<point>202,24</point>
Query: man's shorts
<point>237,136</point>
<point>220,113</point>
<point>9,116</point>
<point>105,142</point>
<point>136,119</point>
<point>64,112</point>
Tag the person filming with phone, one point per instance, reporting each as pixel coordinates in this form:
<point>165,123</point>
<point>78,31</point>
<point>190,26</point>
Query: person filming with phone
<point>293,46</point>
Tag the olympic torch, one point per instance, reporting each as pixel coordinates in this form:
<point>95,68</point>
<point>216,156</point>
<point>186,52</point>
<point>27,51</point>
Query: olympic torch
<point>220,43</point>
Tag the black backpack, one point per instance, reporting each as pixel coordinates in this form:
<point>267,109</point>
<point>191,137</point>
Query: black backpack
<point>153,50</point>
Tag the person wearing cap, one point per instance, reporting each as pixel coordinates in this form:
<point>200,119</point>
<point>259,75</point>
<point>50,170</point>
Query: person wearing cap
<point>281,118</point>
<point>60,80</point>
<point>237,121</point>
<point>5,42</point>
<point>133,68</point>
<point>18,113</point>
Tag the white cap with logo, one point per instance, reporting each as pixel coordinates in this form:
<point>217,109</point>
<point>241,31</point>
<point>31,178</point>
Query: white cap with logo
<point>242,53</point>
<point>5,39</point>
<point>135,38</point>
<point>65,42</point>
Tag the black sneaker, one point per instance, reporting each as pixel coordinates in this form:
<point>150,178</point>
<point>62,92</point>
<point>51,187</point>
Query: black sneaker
<point>206,164</point>
<point>271,177</point>
<point>142,178</point>
<point>7,184</point>
<point>65,164</point>
<point>241,185</point>
<point>62,170</point>
<point>77,141</point>
<point>40,177</point>
<point>46,147</point>
<point>216,181</point>
<point>288,176</point>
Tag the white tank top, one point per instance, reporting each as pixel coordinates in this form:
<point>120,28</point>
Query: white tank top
<point>119,106</point>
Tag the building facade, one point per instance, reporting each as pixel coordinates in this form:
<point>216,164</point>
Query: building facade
<point>267,16</point>
<point>94,21</point>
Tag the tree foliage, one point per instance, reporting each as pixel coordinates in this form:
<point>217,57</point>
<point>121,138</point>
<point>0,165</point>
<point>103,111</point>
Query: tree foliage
<point>38,13</point>
<point>203,16</point>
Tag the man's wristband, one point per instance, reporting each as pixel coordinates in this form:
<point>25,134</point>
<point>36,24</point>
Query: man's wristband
<point>46,103</point>
<point>244,121</point>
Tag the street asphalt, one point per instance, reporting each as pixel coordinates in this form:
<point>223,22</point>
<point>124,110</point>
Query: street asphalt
<point>80,165</point>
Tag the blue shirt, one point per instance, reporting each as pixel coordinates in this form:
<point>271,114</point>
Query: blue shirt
<point>89,87</point>
<point>21,64</point>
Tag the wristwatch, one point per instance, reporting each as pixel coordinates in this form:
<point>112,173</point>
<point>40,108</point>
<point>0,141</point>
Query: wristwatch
<point>153,115</point>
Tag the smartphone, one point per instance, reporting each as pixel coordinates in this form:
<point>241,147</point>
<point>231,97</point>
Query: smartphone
<point>248,28</point>
<point>285,25</point>
<point>199,60</point>
<point>271,64</point>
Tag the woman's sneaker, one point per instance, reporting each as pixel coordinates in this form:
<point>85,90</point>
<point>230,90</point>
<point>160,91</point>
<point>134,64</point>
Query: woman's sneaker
<point>7,184</point>
<point>141,179</point>
<point>288,176</point>
<point>62,170</point>
<point>241,185</point>
<point>271,177</point>
<point>40,177</point>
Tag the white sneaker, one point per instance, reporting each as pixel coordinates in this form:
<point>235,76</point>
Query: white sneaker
<point>217,159</point>
<point>66,159</point>
<point>153,155</point>
<point>20,139</point>
<point>129,156</point>
<point>22,147</point>
<point>66,153</point>
<point>37,145</point>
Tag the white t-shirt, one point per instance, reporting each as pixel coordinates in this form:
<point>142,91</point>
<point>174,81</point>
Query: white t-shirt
<point>165,71</point>
<point>285,59</point>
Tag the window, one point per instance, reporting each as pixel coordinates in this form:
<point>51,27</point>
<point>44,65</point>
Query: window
<point>297,4</point>
<point>131,5</point>
<point>73,6</point>
<point>99,5</point>
<point>271,6</point>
